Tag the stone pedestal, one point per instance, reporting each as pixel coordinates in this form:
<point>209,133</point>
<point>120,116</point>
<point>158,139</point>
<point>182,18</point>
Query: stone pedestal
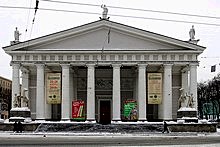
<point>187,114</point>
<point>22,114</point>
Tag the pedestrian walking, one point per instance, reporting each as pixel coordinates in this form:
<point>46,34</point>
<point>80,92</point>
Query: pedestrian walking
<point>15,129</point>
<point>20,127</point>
<point>165,127</point>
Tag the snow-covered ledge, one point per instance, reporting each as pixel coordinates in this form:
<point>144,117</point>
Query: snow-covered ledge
<point>20,109</point>
<point>22,114</point>
<point>187,109</point>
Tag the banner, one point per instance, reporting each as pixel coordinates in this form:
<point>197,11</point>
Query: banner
<point>154,88</point>
<point>78,110</point>
<point>53,91</point>
<point>130,110</point>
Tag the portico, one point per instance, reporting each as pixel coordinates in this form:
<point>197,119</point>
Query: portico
<point>111,74</point>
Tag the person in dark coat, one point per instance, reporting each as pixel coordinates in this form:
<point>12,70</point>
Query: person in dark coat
<point>20,127</point>
<point>165,128</point>
<point>15,127</point>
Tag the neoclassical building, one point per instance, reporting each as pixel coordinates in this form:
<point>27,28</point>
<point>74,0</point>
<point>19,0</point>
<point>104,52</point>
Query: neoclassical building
<point>5,96</point>
<point>104,71</point>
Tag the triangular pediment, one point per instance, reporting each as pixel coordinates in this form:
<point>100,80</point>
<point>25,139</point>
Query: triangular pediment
<point>106,38</point>
<point>106,35</point>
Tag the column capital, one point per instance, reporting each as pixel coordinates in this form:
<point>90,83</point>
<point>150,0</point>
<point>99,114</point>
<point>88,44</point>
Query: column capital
<point>185,69</point>
<point>40,65</point>
<point>65,65</point>
<point>16,65</point>
<point>167,64</point>
<point>193,64</point>
<point>116,65</point>
<point>24,70</point>
<point>142,65</point>
<point>90,65</point>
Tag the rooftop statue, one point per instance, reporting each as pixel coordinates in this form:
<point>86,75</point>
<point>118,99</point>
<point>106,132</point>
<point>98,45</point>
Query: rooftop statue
<point>16,35</point>
<point>105,12</point>
<point>192,33</point>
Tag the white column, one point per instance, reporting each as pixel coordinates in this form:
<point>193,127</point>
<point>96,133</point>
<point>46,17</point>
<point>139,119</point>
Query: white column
<point>40,98</point>
<point>91,92</point>
<point>116,93</point>
<point>165,108</point>
<point>66,103</point>
<point>185,84</point>
<point>25,83</point>
<point>193,83</point>
<point>72,88</point>
<point>142,104</point>
<point>15,81</point>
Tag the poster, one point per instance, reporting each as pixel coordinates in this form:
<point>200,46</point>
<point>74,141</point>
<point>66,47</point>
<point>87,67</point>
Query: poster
<point>130,110</point>
<point>53,92</point>
<point>78,110</point>
<point>154,88</point>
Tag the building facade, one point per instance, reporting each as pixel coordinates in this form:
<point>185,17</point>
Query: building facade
<point>5,97</point>
<point>105,72</point>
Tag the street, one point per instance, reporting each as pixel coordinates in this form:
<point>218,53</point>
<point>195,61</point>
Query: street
<point>107,140</point>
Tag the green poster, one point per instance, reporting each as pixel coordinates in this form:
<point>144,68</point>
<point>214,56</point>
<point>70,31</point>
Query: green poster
<point>130,110</point>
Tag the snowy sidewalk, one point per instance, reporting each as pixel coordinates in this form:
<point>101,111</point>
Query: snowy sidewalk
<point>147,134</point>
<point>177,139</point>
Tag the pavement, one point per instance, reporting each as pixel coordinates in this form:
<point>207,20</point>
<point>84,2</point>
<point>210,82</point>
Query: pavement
<point>180,139</point>
<point>147,134</point>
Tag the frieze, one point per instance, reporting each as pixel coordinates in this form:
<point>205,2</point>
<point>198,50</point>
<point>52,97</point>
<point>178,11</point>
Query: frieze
<point>129,57</point>
<point>155,57</point>
<point>112,57</point>
<point>146,57</point>
<point>44,57</point>
<point>35,57</point>
<point>26,57</point>
<point>120,57</point>
<point>52,57</point>
<point>60,57</point>
<point>138,57</point>
<point>69,57</point>
<point>172,57</point>
<point>164,57</point>
<point>105,58</point>
<point>181,57</point>
<point>18,58</point>
<point>189,57</point>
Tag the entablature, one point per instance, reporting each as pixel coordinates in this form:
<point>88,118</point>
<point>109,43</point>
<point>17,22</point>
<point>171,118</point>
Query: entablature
<point>103,57</point>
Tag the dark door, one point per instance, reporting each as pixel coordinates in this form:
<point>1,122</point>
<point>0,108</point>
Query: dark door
<point>105,112</point>
<point>56,112</point>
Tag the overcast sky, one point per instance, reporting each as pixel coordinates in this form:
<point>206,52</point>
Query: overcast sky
<point>47,22</point>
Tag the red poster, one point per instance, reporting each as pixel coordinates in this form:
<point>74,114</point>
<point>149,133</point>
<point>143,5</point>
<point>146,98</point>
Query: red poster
<point>78,110</point>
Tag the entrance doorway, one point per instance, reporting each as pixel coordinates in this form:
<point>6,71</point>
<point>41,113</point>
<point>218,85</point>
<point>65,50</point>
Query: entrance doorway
<point>104,111</point>
<point>56,112</point>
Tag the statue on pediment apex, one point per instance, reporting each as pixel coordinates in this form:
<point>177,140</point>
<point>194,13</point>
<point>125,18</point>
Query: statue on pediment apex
<point>105,12</point>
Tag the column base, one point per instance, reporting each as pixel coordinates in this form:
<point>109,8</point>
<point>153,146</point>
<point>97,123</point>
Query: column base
<point>142,121</point>
<point>65,119</point>
<point>90,121</point>
<point>40,120</point>
<point>115,121</point>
